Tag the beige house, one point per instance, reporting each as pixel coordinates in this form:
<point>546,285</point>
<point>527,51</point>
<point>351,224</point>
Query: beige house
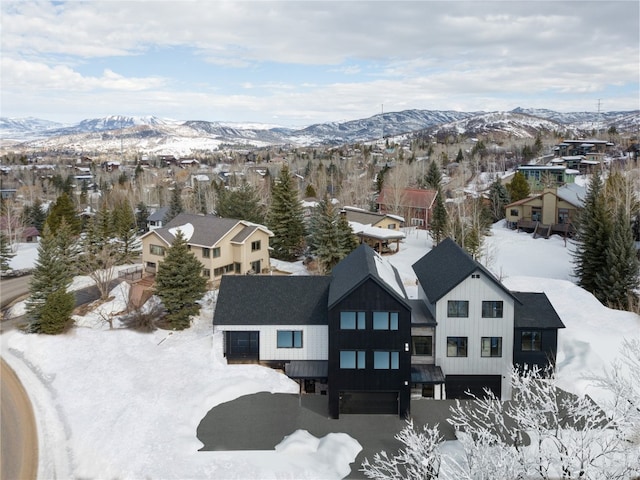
<point>223,245</point>
<point>552,211</point>
<point>381,231</point>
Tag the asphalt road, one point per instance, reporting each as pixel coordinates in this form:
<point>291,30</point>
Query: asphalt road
<point>13,288</point>
<point>18,436</point>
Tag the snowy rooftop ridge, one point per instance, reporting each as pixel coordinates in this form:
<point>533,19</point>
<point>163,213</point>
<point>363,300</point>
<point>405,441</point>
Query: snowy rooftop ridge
<point>187,231</point>
<point>387,273</point>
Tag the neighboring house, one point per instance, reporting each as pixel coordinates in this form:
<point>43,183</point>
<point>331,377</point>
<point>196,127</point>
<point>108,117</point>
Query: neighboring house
<point>541,176</point>
<point>377,230</point>
<point>222,245</point>
<point>156,218</point>
<point>413,204</point>
<point>581,147</point>
<point>356,337</point>
<point>552,211</point>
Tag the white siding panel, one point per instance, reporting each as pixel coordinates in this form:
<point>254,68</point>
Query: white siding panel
<point>315,341</point>
<point>474,327</point>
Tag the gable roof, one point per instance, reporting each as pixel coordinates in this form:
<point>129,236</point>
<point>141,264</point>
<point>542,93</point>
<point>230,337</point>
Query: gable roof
<point>364,217</point>
<point>410,197</point>
<point>272,300</point>
<point>206,230</point>
<point>535,311</point>
<point>446,266</point>
<point>359,266</point>
<point>158,215</point>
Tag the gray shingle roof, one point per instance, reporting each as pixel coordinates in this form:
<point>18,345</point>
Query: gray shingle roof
<point>243,234</point>
<point>535,311</point>
<point>444,267</point>
<point>272,300</point>
<point>207,229</point>
<point>365,218</point>
<point>158,215</point>
<point>359,266</point>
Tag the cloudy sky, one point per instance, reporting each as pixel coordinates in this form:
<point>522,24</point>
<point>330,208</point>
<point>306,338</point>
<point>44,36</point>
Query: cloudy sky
<point>299,62</point>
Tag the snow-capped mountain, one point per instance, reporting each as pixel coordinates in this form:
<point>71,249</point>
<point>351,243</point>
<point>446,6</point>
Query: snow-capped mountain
<point>153,134</point>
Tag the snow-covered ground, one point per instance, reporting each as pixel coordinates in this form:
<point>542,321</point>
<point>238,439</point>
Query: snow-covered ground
<point>115,403</point>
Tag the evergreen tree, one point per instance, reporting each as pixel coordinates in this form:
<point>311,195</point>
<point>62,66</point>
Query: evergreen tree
<point>285,218</point>
<point>593,228</point>
<point>242,203</point>
<point>323,241</point>
<point>618,280</point>
<point>439,220</point>
<point>55,316</point>
<point>124,227</point>
<point>347,241</point>
<point>433,177</point>
<point>179,283</point>
<point>142,213</point>
<point>199,198</point>
<point>6,254</point>
<point>499,199</point>
<point>460,156</point>
<point>63,208</point>
<point>51,274</point>
<point>310,192</point>
<point>175,205</point>
<point>36,215</point>
<point>519,187</point>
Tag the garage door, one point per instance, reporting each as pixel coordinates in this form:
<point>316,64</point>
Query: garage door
<point>458,385</point>
<point>369,403</point>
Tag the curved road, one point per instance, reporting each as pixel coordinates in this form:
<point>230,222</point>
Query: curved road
<point>19,444</point>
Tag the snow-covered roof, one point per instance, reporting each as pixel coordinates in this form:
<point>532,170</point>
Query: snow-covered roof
<point>187,231</point>
<point>376,232</point>
<point>387,273</point>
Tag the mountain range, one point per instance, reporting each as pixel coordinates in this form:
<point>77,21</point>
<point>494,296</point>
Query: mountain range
<point>157,135</point>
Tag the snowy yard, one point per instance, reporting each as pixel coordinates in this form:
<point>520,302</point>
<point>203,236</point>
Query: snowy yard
<point>115,403</point>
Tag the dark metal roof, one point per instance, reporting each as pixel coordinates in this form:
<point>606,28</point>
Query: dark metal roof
<point>158,215</point>
<point>426,374</point>
<point>445,266</point>
<point>356,268</point>
<point>535,311</point>
<point>307,369</point>
<point>420,314</point>
<point>272,300</point>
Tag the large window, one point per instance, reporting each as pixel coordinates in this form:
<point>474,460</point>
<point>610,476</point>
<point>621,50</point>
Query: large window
<point>532,341</point>
<point>491,347</point>
<point>352,359</point>
<point>492,309</point>
<point>255,245</point>
<point>422,345</point>
<point>289,338</point>
<point>458,308</point>
<point>156,250</point>
<point>352,320</point>
<point>222,270</point>
<point>386,360</point>
<point>385,320</point>
<point>456,346</point>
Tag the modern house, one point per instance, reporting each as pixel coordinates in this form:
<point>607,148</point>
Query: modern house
<point>414,204</point>
<point>552,211</point>
<point>542,176</point>
<point>222,245</point>
<point>358,338</point>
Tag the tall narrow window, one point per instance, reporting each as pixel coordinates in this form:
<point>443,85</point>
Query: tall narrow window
<point>458,308</point>
<point>491,347</point>
<point>492,309</point>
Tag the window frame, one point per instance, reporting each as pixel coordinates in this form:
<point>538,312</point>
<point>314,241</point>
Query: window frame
<point>429,342</point>
<point>531,342</point>
<point>154,249</point>
<point>295,339</point>
<point>461,343</point>
<point>256,245</point>
<point>457,314</point>
<point>490,351</point>
<point>359,320</point>
<point>492,309</point>
<point>386,360</point>
<point>206,272</point>
<point>215,252</point>
<point>359,360</point>
<point>390,322</point>
<point>206,252</point>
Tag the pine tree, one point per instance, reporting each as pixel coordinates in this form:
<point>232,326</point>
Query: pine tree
<point>618,279</point>
<point>439,219</point>
<point>63,208</point>
<point>347,241</point>
<point>175,205</point>
<point>142,213</point>
<point>36,215</point>
<point>285,219</point>
<point>324,242</point>
<point>499,198</point>
<point>199,198</point>
<point>6,254</point>
<point>593,229</point>
<point>124,227</point>
<point>242,203</point>
<point>519,187</point>
<point>51,274</point>
<point>179,283</point>
<point>56,312</point>
<point>460,156</point>
<point>433,177</point>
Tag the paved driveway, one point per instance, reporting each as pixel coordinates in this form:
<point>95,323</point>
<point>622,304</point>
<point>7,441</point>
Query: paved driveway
<point>260,421</point>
